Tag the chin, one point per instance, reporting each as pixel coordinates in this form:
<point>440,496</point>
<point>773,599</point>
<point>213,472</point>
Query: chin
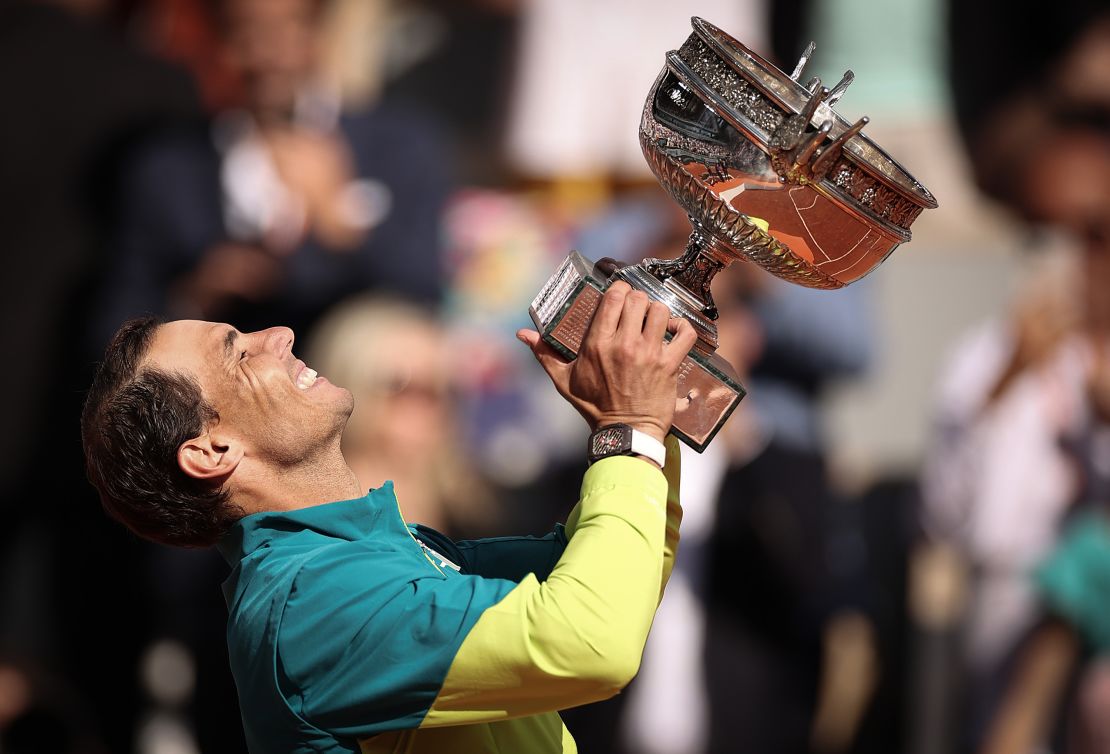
<point>342,407</point>
<point>347,402</point>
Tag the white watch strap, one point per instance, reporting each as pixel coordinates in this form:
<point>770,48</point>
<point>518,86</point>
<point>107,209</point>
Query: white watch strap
<point>647,446</point>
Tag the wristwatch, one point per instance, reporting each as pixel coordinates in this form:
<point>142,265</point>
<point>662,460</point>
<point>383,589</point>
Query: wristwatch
<point>622,440</point>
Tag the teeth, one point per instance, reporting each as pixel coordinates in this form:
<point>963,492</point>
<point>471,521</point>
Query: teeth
<point>306,378</point>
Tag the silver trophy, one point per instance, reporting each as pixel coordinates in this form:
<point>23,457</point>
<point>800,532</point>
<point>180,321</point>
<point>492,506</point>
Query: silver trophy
<point>767,171</point>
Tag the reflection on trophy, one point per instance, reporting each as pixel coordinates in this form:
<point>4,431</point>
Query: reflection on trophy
<point>768,172</point>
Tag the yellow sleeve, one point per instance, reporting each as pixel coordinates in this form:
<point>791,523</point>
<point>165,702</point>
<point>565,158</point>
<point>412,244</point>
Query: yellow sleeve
<point>672,470</point>
<point>578,636</point>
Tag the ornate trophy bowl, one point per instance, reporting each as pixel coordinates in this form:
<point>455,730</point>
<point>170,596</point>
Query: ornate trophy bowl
<point>767,172</point>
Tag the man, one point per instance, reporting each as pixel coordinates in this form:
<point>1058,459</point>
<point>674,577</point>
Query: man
<point>349,630</point>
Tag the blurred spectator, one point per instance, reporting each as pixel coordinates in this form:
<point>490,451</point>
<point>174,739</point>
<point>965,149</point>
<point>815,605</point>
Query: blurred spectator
<point>1036,74</point>
<point>286,206</point>
<point>395,359</point>
<point>1055,690</point>
<point>1007,463</point>
<point>771,641</point>
<point>77,99</point>
<point>1022,439</point>
<point>997,480</point>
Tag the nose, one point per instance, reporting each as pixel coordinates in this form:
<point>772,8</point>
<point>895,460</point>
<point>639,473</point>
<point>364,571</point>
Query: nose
<point>275,340</point>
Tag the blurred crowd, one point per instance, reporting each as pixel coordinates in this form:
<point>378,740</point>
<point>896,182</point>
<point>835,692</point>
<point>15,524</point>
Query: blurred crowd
<point>395,179</point>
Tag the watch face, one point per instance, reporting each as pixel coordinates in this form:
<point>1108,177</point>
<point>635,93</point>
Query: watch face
<point>608,441</point>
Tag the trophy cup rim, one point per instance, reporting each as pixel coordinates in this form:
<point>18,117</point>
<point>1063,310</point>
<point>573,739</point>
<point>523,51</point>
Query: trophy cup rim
<point>791,96</point>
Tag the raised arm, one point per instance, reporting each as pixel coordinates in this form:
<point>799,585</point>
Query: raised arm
<point>672,470</point>
<point>578,636</point>
<point>467,649</point>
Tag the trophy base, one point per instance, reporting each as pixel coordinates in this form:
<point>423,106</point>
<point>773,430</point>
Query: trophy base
<point>708,390</point>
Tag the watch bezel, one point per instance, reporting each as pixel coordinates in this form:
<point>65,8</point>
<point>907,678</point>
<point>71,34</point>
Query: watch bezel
<point>624,449</point>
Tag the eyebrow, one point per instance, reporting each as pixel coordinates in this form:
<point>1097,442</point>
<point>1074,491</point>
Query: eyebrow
<point>229,343</point>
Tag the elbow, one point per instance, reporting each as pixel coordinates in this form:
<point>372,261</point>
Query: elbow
<point>609,672</point>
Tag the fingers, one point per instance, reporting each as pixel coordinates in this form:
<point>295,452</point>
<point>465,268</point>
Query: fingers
<point>606,266</point>
<point>554,364</point>
<point>608,312</point>
<point>683,339</point>
<point>632,315</point>
<point>528,337</point>
<point>655,325</point>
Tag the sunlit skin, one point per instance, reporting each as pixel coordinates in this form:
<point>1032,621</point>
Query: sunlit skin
<point>271,434</point>
<point>276,443</point>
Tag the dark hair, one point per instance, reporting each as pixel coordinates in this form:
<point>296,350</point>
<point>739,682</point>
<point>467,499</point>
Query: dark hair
<point>134,421</point>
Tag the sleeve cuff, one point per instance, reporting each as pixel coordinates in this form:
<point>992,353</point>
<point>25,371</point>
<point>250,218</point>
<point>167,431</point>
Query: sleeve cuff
<point>633,476</point>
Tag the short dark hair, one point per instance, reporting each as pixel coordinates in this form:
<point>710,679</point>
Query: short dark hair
<point>134,421</point>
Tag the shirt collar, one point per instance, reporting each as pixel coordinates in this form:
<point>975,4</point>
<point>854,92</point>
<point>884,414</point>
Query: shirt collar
<point>345,519</point>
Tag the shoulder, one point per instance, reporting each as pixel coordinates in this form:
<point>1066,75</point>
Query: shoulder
<point>368,568</point>
<point>369,631</point>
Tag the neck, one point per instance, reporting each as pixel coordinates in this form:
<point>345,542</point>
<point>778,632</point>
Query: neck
<point>325,478</point>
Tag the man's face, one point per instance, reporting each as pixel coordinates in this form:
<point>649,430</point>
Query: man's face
<point>267,399</point>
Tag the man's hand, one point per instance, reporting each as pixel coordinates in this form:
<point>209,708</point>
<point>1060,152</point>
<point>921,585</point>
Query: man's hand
<point>625,371</point>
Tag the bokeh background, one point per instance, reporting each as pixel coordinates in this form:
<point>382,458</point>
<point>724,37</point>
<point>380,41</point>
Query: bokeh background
<point>899,543</point>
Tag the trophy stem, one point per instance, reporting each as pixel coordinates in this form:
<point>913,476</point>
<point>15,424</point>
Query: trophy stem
<point>690,276</point>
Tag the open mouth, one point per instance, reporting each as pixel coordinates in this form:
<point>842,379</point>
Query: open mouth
<point>306,377</point>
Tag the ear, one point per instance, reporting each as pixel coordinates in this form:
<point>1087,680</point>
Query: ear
<point>209,457</point>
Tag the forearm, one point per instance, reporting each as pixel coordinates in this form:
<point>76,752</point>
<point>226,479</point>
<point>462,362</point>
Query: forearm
<point>672,471</point>
<point>578,636</point>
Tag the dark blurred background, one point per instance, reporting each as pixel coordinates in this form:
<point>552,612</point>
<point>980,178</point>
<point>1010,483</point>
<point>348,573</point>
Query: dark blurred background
<point>900,542</point>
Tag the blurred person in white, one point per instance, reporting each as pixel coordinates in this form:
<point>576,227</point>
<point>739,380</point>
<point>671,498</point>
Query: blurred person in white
<point>1005,468</point>
<point>1055,692</point>
<point>404,426</point>
<point>997,481</point>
